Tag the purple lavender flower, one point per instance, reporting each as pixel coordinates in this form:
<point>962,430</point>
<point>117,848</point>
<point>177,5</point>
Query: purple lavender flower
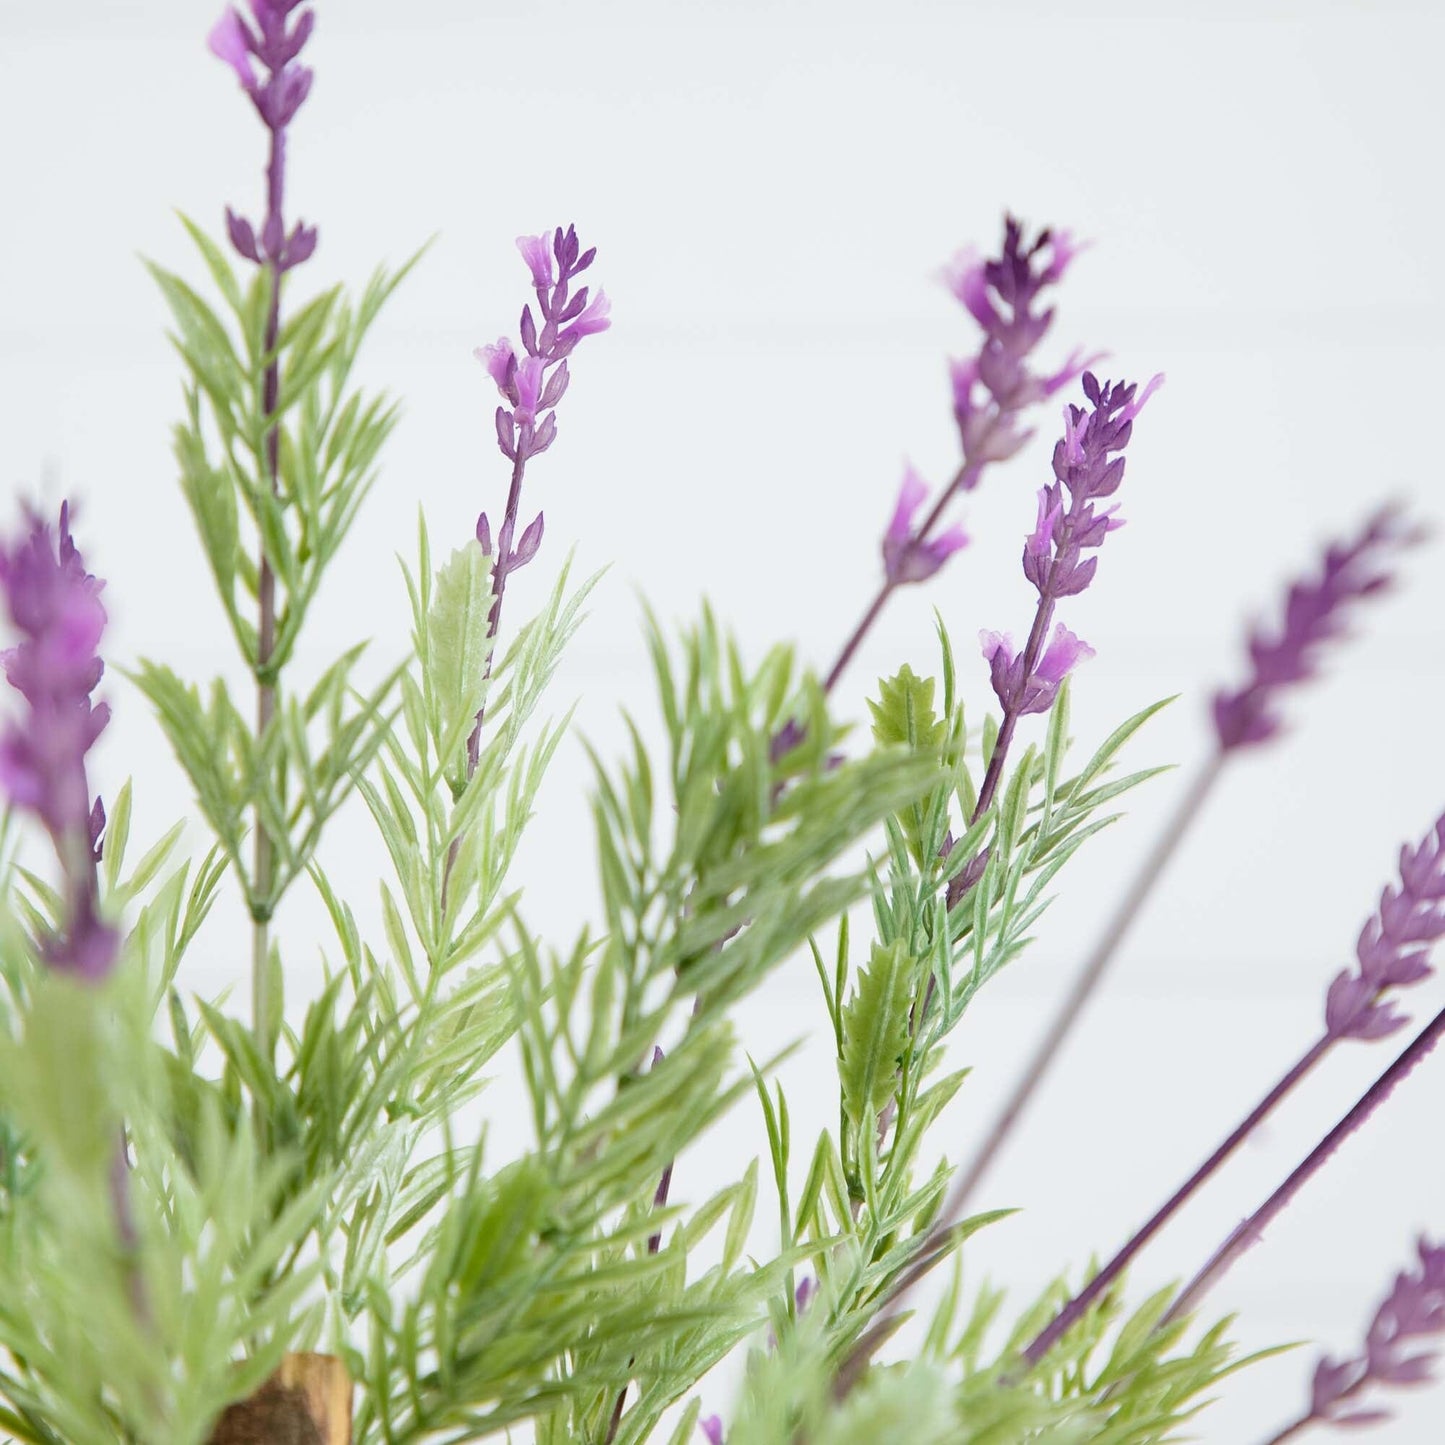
<point>537,380</point>
<point>277,99</point>
<point>1414,1311</point>
<point>55,605</point>
<point>532,382</point>
<point>1313,615</point>
<point>1387,952</point>
<point>1086,470</point>
<point>712,1429</point>
<point>906,556</point>
<point>992,388</point>
<point>1036,692</point>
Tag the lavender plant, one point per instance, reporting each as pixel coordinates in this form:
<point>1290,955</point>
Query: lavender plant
<point>280,1224</point>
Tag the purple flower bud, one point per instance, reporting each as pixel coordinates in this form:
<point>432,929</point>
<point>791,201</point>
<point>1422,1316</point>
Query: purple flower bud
<point>1061,656</point>
<point>229,41</point>
<point>963,377</point>
<point>544,436</point>
<point>593,319</point>
<point>484,534</point>
<point>1134,404</point>
<point>529,386</point>
<point>296,42</point>
<point>299,247</point>
<point>526,549</point>
<point>556,387</point>
<point>506,433</point>
<point>712,1429</point>
<point>966,277</point>
<point>499,361</point>
<point>283,95</point>
<point>537,253</point>
<point>1038,545</point>
<point>911,496</point>
<point>1063,249</point>
<point>907,558</point>
<point>243,238</point>
<point>1070,371</point>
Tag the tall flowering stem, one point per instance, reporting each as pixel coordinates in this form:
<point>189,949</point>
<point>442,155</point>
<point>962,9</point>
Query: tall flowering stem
<point>531,384</point>
<point>275,43</point>
<point>1314,613</point>
<point>1412,1313</point>
<point>1088,468</point>
<point>992,391</point>
<point>1251,1230</point>
<point>55,606</point>
<point>1390,953</point>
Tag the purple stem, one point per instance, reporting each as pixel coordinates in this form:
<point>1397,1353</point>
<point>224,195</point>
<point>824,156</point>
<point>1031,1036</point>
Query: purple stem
<point>1303,1423</point>
<point>494,622</point>
<point>1077,1307</point>
<point>1252,1229</point>
<point>499,587</point>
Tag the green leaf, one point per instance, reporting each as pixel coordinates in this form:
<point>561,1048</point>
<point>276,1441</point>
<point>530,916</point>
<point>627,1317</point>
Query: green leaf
<point>875,1033</point>
<point>457,650</point>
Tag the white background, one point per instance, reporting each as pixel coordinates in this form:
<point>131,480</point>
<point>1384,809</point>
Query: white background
<point>772,188</point>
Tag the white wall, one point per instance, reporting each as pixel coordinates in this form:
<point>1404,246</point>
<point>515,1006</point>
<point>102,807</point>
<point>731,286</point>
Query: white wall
<point>771,188</point>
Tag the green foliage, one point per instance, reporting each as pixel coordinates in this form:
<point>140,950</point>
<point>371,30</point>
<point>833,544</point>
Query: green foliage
<point>185,1197</point>
<point>272,479</point>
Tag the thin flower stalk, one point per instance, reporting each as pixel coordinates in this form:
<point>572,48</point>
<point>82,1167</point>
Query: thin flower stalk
<point>992,391</point>
<point>1313,615</point>
<point>274,43</point>
<point>531,385</point>
<point>1391,952</point>
<point>1411,1314</point>
<point>1251,1230</point>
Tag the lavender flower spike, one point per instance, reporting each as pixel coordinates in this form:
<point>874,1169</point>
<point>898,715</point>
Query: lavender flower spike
<point>1087,471</point>
<point>1412,1312</point>
<point>55,605</point>
<point>532,380</point>
<point>906,556</point>
<point>1312,615</point>
<point>991,391</point>
<point>277,99</point>
<point>1387,952</point>
<point>992,388</point>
